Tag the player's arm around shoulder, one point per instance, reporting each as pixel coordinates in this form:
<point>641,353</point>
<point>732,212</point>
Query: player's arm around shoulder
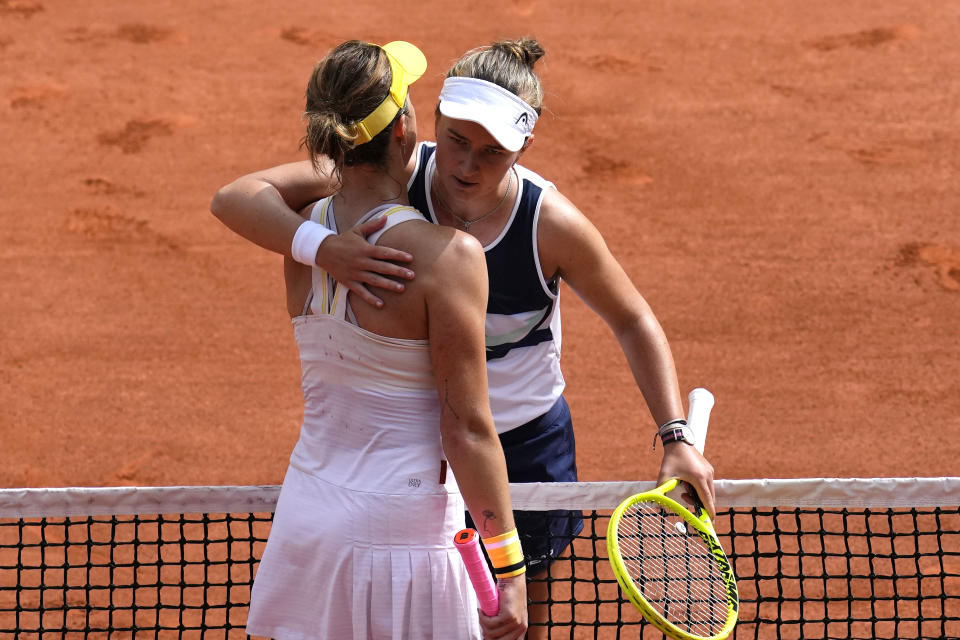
<point>261,206</point>
<point>296,183</point>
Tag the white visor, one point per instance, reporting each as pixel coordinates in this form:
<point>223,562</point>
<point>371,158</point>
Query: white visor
<point>505,115</point>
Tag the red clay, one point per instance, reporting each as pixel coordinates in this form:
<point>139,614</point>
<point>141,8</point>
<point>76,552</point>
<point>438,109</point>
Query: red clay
<point>780,180</point>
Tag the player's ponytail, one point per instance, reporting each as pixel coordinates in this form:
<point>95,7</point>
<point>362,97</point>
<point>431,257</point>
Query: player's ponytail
<point>327,135</point>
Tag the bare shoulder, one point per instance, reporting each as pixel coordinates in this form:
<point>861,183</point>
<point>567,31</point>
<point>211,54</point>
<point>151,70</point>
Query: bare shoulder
<point>563,232</point>
<point>440,253</point>
<point>558,214</point>
<point>460,247</point>
<point>460,260</point>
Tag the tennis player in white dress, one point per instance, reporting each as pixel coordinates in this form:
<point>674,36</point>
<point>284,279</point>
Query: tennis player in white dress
<point>361,545</point>
<point>361,541</point>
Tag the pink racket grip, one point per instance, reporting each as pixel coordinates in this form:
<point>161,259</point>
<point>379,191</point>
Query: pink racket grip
<point>468,544</point>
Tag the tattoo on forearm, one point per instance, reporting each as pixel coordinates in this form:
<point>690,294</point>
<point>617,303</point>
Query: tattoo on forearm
<point>446,400</point>
<point>485,525</point>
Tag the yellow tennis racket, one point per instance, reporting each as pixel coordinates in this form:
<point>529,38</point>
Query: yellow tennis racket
<point>670,564</point>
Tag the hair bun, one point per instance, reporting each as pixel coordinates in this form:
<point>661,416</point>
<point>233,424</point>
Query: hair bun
<point>526,49</point>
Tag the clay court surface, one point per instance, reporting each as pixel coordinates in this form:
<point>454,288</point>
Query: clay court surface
<point>779,179</point>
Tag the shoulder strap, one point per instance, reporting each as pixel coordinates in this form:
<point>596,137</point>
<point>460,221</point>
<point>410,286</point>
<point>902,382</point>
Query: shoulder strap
<point>319,215</point>
<point>329,297</point>
<point>326,297</point>
<point>395,214</point>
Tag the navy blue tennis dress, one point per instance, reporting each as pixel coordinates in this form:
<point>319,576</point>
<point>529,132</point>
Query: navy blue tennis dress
<point>523,360</point>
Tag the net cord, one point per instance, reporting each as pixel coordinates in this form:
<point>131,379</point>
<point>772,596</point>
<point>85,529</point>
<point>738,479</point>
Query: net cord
<point>803,492</point>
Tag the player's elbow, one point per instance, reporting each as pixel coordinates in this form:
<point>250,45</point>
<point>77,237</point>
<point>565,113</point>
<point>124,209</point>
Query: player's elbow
<point>220,204</point>
<point>639,323</point>
<point>463,435</point>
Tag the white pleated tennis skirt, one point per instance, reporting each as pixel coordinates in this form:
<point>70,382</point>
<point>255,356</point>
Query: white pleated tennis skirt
<point>342,564</point>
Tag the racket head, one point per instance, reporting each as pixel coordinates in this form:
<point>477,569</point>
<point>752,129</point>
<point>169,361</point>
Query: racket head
<point>670,565</point>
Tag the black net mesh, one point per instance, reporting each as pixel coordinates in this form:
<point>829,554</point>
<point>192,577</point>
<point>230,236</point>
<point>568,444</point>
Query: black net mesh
<point>802,573</point>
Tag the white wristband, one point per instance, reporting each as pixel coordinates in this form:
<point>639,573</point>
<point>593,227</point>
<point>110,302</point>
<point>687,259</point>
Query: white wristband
<point>307,240</point>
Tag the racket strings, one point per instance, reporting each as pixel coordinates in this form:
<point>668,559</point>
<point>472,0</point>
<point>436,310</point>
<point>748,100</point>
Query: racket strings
<point>673,569</point>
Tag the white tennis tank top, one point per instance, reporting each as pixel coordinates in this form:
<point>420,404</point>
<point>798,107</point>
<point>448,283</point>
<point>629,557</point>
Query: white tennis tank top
<point>371,411</point>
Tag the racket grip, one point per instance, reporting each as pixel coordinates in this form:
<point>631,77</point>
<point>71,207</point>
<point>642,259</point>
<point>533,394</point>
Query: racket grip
<point>468,544</point>
<point>698,416</point>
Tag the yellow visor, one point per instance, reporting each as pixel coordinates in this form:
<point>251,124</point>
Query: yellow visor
<point>407,64</point>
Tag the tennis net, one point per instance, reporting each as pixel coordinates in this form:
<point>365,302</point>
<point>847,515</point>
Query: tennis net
<point>815,558</point>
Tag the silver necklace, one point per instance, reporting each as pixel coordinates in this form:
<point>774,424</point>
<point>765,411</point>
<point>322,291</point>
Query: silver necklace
<point>469,223</point>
